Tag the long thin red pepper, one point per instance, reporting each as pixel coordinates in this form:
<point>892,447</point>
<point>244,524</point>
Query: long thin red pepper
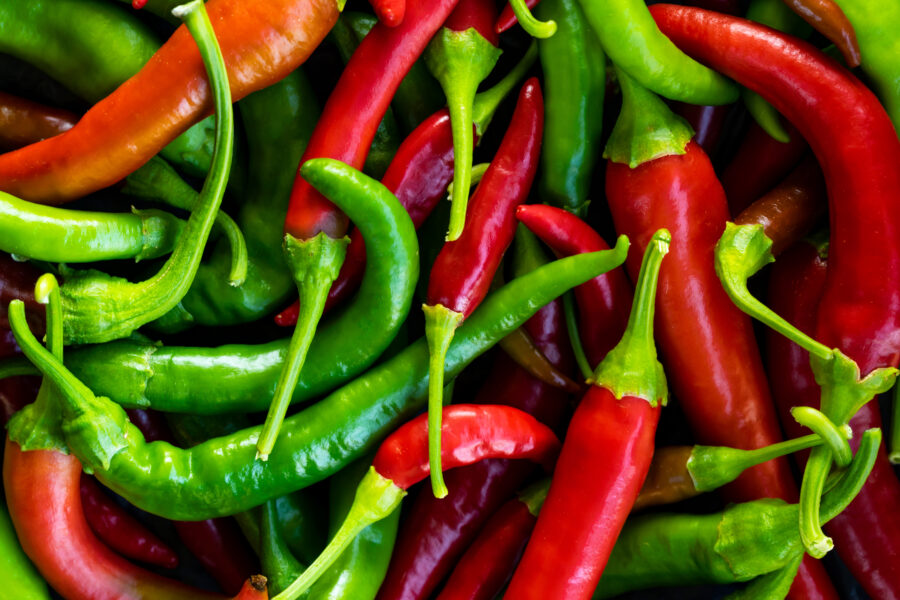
<point>605,301</point>
<point>859,311</point>
<point>715,370</point>
<point>761,161</point>
<point>464,269</point>
<point>121,531</point>
<point>261,42</point>
<point>604,459</point>
<point>356,106</point>
<point>438,531</point>
<point>827,18</point>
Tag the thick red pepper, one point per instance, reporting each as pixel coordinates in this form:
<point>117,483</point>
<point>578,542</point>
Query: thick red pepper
<point>715,370</point>
<point>356,106</point>
<point>121,531</point>
<point>437,531</point>
<point>463,271</point>
<point>261,43</point>
<point>761,162</point>
<point>859,312</point>
<point>582,515</point>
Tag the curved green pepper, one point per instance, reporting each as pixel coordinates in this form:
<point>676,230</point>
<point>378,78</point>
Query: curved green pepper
<point>222,477</point>
<point>107,47</point>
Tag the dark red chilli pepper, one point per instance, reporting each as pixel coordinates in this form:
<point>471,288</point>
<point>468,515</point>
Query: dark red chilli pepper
<point>473,433</point>
<point>121,531</point>
<point>706,121</point>
<point>715,371</point>
<point>761,162</point>
<point>582,515</point>
<point>24,122</point>
<point>604,301</point>
<point>827,18</point>
<point>356,106</point>
<point>437,531</point>
<point>789,210</point>
<point>856,144</point>
<point>462,273</point>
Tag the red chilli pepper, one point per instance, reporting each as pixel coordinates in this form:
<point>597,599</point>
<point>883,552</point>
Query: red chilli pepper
<point>582,516</point>
<point>716,371</point>
<point>120,530</point>
<point>254,589</point>
<point>462,273</point>
<point>438,531</point>
<point>473,433</point>
<point>389,12</point>
<point>604,301</point>
<point>858,149</point>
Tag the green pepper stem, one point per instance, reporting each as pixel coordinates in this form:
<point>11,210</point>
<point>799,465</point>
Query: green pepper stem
<point>851,481</point>
<point>487,102</point>
<point>575,336</point>
<point>631,368</point>
<point>376,498</point>
<point>740,253</point>
<point>814,539</point>
<point>711,467</point>
<point>440,325</point>
<point>46,291</point>
<point>539,29</point>
<point>895,427</point>
<point>828,431</point>
<point>315,263</point>
<point>101,308</point>
<point>478,172</point>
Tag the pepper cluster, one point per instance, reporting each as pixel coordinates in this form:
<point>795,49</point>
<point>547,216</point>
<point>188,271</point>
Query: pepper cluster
<point>278,464</point>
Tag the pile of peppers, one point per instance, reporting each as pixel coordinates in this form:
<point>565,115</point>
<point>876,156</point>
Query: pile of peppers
<point>608,390</point>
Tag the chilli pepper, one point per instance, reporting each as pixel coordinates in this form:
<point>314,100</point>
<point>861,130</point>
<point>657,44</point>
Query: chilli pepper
<point>855,143</point>
<point>279,565</point>
<point>100,307</point>
<point>21,579</point>
<point>462,272</point>
<point>461,56</point>
<point>875,24</point>
<point>574,87</point>
<point>742,542</point>
<point>108,46</point>
<point>827,18</point>
<point>474,433</point>
<point>366,200</point>
<point>656,177</point>
<point>221,477</point>
<point>24,122</point>
<point>583,516</point>
<point>255,587</point>
<point>760,163</point>
<point>119,530</point>
<point>437,532</point>
<point>418,176</point>
<point>790,210</point>
<point>262,43</point>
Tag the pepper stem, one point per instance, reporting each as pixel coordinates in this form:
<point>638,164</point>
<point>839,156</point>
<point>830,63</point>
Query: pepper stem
<point>740,253</point>
<point>487,102</point>
<point>460,60</point>
<point>814,539</point>
<point>315,264</point>
<point>828,431</point>
<point>539,29</point>
<point>711,467</point>
<point>851,481</point>
<point>46,292</point>
<point>376,498</point>
<point>631,368</point>
<point>440,325</point>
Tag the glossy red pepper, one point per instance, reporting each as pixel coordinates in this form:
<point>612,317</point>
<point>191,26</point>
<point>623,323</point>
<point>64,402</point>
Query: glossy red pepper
<point>356,106</point>
<point>582,515</point>
<point>761,162</point>
<point>437,531</point>
<point>463,271</point>
<point>120,530</point>
<point>605,301</point>
<point>389,12</point>
<point>859,311</point>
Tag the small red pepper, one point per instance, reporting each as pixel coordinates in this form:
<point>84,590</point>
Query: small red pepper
<point>254,589</point>
<point>462,273</point>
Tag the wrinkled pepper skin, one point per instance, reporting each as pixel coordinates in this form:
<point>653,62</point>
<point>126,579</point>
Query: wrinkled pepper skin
<point>859,311</point>
<point>261,43</point>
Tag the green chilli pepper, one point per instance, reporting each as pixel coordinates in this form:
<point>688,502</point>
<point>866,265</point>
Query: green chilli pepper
<point>743,542</point>
<point>20,579</point>
<point>279,121</point>
<point>635,44</point>
<point>222,477</point>
<point>108,46</point>
<point>574,86</point>
<point>55,234</point>
<point>99,307</point>
<point>278,564</point>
